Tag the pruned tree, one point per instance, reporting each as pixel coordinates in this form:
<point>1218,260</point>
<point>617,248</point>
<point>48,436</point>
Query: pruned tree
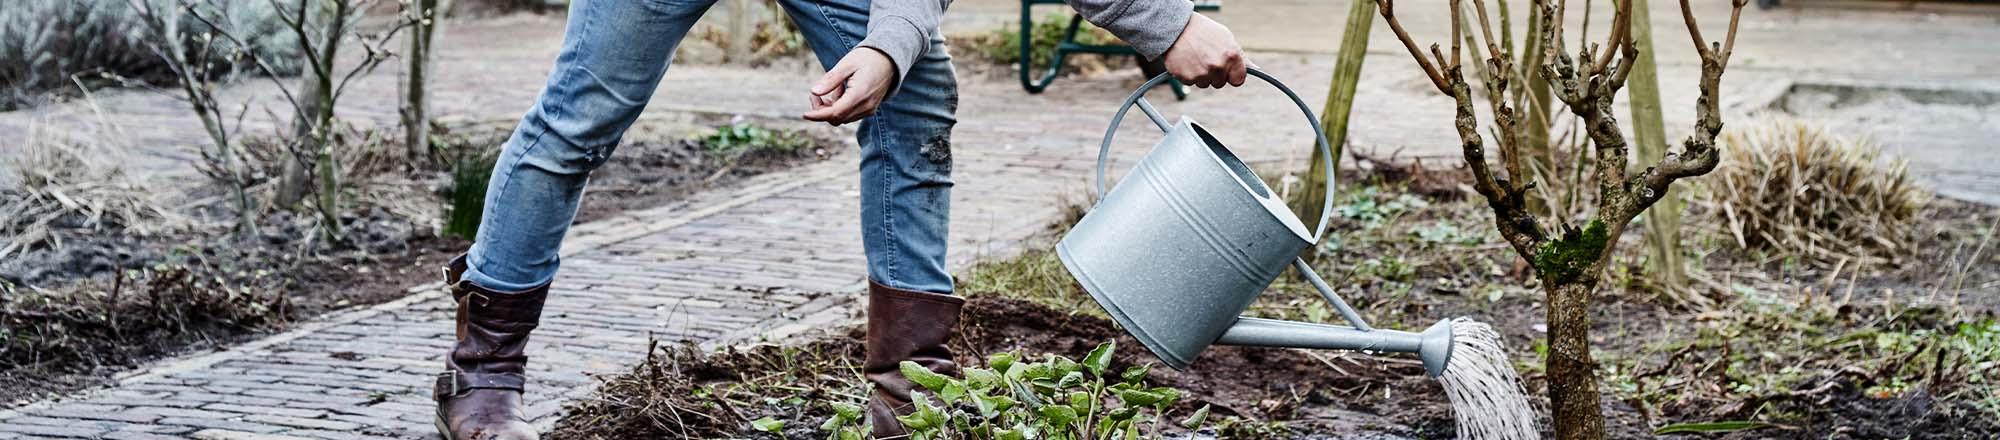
<point>321,27</point>
<point>198,69</point>
<point>1568,258</point>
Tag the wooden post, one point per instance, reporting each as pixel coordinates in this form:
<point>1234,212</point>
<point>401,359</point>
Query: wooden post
<point>1333,118</point>
<point>1650,139</point>
<point>739,31</point>
<point>1535,136</point>
<point>427,17</point>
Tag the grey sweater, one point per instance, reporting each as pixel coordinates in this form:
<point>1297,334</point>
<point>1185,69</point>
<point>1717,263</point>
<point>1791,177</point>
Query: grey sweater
<point>903,28</point>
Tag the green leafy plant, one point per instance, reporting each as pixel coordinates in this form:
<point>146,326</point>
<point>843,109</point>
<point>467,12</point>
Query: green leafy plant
<point>1056,398</point>
<point>1373,208</point>
<point>740,137</point>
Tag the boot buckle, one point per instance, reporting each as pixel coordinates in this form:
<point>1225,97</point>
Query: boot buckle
<point>447,385</point>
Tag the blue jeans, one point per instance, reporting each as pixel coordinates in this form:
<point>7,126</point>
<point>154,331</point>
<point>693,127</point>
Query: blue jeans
<point>614,53</point>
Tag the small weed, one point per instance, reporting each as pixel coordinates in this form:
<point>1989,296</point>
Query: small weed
<point>1387,268</point>
<point>1056,398</point>
<point>1444,232</point>
<point>739,137</point>
<point>1373,208</point>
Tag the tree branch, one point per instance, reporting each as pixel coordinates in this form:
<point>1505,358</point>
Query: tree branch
<point>1698,154</point>
<point>1621,28</point>
<point>255,59</point>
<point>1388,9</point>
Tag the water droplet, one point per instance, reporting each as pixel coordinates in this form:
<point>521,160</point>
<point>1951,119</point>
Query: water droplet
<point>1486,395</point>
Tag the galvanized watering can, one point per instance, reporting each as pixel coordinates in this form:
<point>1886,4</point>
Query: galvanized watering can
<point>1181,246</point>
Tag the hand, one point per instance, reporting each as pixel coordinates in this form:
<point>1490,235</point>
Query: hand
<point>853,88</point>
<point>1206,55</point>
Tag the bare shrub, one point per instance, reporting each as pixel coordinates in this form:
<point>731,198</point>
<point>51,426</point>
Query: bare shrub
<point>1791,187</point>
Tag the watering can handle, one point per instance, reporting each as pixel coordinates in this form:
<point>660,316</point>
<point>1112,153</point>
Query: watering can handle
<point>1139,97</point>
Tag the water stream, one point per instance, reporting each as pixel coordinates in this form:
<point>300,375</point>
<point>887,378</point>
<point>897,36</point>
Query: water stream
<point>1486,394</point>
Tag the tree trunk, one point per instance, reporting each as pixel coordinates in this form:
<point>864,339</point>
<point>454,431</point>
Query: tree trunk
<point>293,185</point>
<point>1572,374</point>
<point>329,172</point>
<point>194,83</point>
<point>428,20</point>
<point>1650,139</point>
<point>299,160</point>
<point>1333,118</point>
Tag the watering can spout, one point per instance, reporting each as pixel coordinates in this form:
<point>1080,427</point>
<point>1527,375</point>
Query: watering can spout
<point>1433,346</point>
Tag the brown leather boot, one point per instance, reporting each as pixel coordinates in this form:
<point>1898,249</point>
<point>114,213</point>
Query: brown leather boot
<point>479,394</point>
<point>905,326</point>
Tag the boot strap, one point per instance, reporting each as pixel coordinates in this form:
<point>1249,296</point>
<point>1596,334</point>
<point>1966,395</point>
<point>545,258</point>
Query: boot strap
<point>451,383</point>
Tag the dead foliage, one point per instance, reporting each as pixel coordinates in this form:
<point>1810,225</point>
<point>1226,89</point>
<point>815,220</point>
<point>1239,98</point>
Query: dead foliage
<point>1794,188</point>
<point>130,316</point>
<point>65,185</point>
<point>1434,181</point>
<point>682,391</point>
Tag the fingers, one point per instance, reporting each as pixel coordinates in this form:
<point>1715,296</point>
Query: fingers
<point>827,91</point>
<point>852,106</point>
<point>1227,69</point>
<point>1238,71</point>
<point>831,81</point>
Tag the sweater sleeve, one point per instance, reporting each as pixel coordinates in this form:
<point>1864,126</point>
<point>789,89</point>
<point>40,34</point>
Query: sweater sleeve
<point>902,30</point>
<point>1149,26</point>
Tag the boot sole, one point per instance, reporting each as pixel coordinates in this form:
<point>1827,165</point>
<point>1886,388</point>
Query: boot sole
<point>443,430</point>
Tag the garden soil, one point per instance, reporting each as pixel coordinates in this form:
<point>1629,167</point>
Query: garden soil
<point>1318,395</point>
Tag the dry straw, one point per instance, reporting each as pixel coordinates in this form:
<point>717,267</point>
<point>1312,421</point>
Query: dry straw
<point>60,184</point>
<point>1791,187</point>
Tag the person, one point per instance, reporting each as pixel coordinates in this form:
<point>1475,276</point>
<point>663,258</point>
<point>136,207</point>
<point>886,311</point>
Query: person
<point>899,86</point>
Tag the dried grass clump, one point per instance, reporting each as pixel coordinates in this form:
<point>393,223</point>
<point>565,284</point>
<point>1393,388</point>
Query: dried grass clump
<point>682,391</point>
<point>1792,187</point>
<point>63,185</point>
<point>137,313</point>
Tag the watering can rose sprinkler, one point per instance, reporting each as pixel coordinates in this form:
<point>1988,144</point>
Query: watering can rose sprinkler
<point>1181,246</point>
